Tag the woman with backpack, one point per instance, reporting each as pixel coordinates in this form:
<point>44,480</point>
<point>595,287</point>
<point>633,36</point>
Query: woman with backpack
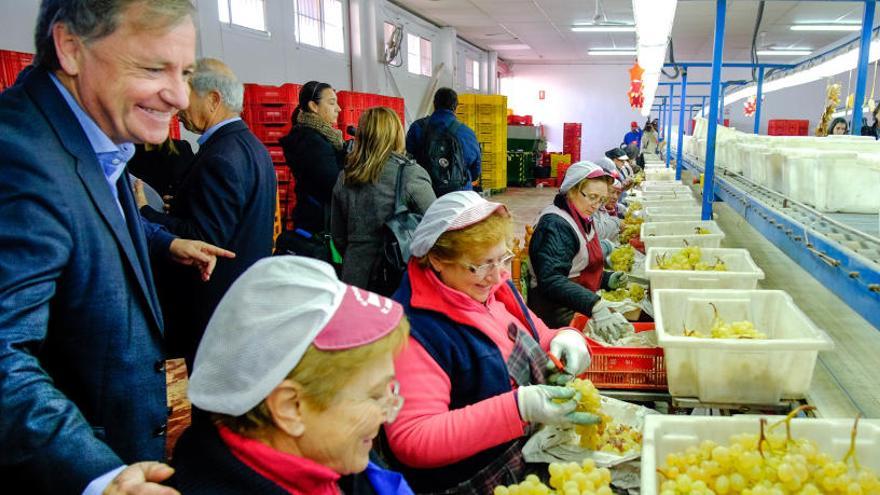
<point>314,152</point>
<point>364,198</point>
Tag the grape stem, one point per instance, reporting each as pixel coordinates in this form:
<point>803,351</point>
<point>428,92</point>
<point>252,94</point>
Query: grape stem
<point>762,438</point>
<point>851,453</point>
<point>664,473</point>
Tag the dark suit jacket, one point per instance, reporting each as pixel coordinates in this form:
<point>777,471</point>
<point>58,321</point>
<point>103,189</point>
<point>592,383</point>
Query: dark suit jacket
<point>227,199</point>
<point>82,387</point>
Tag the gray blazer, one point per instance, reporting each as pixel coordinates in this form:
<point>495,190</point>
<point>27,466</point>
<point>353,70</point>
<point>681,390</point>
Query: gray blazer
<point>358,212</point>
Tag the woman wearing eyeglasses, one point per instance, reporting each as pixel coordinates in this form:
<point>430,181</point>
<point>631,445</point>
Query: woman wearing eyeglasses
<point>473,373</point>
<point>314,152</point>
<point>566,256</point>
<point>296,370</point>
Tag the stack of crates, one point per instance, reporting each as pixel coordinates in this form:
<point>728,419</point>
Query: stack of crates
<point>353,105</point>
<point>779,127</point>
<point>487,116</point>
<point>11,63</point>
<point>267,111</point>
<point>557,159</point>
<point>521,168</point>
<point>174,128</point>
<point>571,140</point>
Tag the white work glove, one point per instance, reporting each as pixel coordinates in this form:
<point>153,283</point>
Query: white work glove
<point>618,280</point>
<point>551,405</point>
<point>607,325</point>
<point>571,349</point>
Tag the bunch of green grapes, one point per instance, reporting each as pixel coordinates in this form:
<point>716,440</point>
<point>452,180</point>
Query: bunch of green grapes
<point>639,178</point>
<point>722,330</point>
<point>568,478</point>
<point>633,292</point>
<point>623,258</point>
<point>765,464</point>
<point>702,231</point>
<point>634,206</point>
<point>607,436</point>
<point>689,258</point>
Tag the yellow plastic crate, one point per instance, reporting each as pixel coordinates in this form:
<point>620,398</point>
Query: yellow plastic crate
<point>556,159</point>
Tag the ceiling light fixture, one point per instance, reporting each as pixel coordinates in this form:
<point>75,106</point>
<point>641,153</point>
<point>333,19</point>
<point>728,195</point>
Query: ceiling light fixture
<point>784,53</point>
<point>603,28</point>
<point>826,27</point>
<point>654,20</point>
<point>601,52</point>
<point>510,46</point>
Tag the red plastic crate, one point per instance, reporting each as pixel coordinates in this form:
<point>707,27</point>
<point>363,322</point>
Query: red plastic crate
<point>282,173</point>
<point>269,114</point>
<point>174,128</point>
<point>548,182</point>
<point>277,154</point>
<point>632,368</point>
<point>270,134</point>
<point>259,94</point>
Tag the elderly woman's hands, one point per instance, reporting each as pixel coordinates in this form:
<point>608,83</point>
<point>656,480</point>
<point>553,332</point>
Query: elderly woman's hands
<point>571,349</point>
<point>548,404</point>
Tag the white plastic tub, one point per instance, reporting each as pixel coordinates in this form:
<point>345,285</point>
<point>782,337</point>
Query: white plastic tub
<point>664,186</point>
<point>742,272</point>
<point>672,213</point>
<point>674,234</point>
<point>660,174</point>
<point>737,371</point>
<point>671,434</point>
<point>667,203</point>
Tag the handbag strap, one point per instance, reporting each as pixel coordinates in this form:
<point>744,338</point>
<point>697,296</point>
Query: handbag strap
<point>399,205</point>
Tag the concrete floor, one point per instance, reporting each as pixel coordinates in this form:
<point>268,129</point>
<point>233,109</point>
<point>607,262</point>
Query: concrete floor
<point>845,380</point>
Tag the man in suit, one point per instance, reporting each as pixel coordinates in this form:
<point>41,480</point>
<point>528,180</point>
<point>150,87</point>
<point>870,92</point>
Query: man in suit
<point>82,381</point>
<point>227,199</point>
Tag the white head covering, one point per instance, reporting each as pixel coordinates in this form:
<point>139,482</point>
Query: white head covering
<point>578,172</point>
<point>453,211</point>
<point>266,322</point>
<point>607,165</point>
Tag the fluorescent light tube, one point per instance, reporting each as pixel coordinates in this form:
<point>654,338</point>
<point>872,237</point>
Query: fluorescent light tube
<point>826,27</point>
<point>601,28</point>
<point>784,52</point>
<point>611,53</point>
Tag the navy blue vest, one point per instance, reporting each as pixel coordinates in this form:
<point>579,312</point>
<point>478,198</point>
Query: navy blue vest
<point>476,371</point>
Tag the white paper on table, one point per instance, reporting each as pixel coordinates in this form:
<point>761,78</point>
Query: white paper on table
<point>559,444</point>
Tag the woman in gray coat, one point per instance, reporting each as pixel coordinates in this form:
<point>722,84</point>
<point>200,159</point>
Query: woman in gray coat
<point>363,196</point>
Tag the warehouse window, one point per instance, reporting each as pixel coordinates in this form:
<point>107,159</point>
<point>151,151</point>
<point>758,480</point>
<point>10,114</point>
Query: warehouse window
<point>418,55</point>
<point>246,13</point>
<point>472,73</point>
<point>319,23</point>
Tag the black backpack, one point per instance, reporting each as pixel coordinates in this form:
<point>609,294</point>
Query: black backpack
<point>397,234</point>
<point>442,156</point>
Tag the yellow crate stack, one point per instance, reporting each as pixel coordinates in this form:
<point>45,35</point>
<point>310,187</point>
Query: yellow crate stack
<point>490,125</point>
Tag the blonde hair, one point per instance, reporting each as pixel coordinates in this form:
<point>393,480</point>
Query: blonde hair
<point>452,245</point>
<point>322,374</point>
<point>378,135</point>
<point>580,186</point>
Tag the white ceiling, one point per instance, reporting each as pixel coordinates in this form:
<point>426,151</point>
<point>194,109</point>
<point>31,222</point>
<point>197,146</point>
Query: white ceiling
<point>545,26</point>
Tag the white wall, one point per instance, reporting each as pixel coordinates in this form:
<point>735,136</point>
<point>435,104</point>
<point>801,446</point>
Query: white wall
<point>594,95</point>
<point>17,25</point>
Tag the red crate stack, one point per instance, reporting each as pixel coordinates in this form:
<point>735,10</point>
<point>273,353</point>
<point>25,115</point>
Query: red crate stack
<point>571,140</point>
<point>353,105</point>
<point>11,63</point>
<point>174,128</point>
<point>519,119</point>
<point>782,127</point>
<point>267,111</point>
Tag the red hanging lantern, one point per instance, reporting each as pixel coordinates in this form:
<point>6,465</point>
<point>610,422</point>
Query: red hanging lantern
<point>750,106</point>
<point>635,95</point>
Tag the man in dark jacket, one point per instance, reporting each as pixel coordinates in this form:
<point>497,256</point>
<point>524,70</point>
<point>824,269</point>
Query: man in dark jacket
<point>445,103</point>
<point>82,392</point>
<point>227,198</point>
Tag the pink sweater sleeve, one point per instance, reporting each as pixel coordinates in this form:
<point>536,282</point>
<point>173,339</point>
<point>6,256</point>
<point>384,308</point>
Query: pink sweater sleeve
<point>426,433</point>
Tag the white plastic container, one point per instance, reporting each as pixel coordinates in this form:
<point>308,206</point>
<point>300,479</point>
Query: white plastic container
<point>660,174</point>
<point>737,371</point>
<point>672,213</point>
<point>674,234</point>
<point>667,203</point>
<point>664,186</point>
<point>742,272</point>
<point>664,435</point>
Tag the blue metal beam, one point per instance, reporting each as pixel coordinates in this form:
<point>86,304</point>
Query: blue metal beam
<point>759,97</point>
<point>717,52</point>
<point>668,124</point>
<point>681,110</point>
<point>862,67</point>
<point>741,65</point>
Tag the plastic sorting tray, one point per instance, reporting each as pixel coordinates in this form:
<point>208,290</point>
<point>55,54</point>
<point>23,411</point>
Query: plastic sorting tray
<point>666,203</point>
<point>668,194</point>
<point>663,435</point>
<point>737,371</point>
<point>672,213</point>
<point>742,272</point>
<point>664,186</point>
<point>660,174</point>
<point>674,234</point>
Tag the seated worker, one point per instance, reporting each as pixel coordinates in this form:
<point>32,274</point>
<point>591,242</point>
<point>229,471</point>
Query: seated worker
<point>838,127</point>
<point>607,217</point>
<point>474,370</point>
<point>567,259</point>
<point>296,369</point>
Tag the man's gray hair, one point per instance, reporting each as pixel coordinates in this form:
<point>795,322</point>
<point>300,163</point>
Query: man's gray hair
<point>213,75</point>
<point>92,20</point>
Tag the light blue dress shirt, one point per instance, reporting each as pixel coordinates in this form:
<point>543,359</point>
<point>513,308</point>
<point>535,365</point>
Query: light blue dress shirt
<point>211,130</point>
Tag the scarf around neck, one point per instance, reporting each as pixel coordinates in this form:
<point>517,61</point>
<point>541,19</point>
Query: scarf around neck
<point>313,121</point>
